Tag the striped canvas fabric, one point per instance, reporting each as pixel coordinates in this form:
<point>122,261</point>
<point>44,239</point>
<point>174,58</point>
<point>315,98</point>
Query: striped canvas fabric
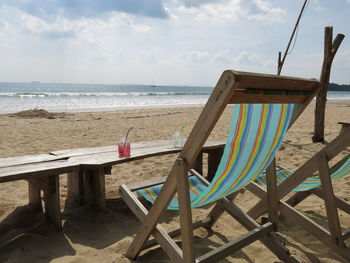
<point>311,182</point>
<point>151,193</point>
<point>255,136</point>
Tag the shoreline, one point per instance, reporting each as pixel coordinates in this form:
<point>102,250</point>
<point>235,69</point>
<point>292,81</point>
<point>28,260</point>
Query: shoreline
<point>131,108</point>
<point>113,109</point>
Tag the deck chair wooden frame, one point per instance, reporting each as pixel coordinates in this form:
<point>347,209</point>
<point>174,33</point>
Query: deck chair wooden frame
<point>232,88</point>
<point>334,237</point>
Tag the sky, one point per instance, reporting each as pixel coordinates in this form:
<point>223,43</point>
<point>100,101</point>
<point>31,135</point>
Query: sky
<point>165,42</point>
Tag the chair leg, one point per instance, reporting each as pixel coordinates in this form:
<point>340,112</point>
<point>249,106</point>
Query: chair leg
<point>150,221</point>
<point>185,211</point>
<point>162,237</point>
<point>330,203</point>
<point>272,199</point>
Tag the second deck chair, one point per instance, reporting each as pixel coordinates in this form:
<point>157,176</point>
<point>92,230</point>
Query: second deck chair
<point>302,182</point>
<point>255,136</point>
<point>311,184</point>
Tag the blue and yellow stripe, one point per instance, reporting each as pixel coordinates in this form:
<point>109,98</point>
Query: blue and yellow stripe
<point>311,182</point>
<point>255,136</point>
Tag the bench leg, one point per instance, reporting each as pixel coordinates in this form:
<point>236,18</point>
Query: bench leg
<point>34,195</point>
<point>214,158</point>
<point>87,187</point>
<point>95,191</point>
<point>75,188</point>
<point>198,165</point>
<point>52,201</point>
<point>99,189</point>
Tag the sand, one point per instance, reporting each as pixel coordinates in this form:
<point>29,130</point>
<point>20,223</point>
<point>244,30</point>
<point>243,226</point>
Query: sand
<point>90,236</point>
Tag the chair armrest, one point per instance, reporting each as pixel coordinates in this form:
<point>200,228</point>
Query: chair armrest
<point>344,123</point>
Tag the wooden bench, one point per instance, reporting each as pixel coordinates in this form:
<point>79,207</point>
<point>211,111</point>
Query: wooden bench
<point>86,169</point>
<point>42,173</point>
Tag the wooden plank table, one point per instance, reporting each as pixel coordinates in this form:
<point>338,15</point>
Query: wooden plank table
<point>88,184</point>
<point>86,169</point>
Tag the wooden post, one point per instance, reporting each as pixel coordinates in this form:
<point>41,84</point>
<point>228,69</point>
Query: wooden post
<point>330,49</point>
<point>281,61</point>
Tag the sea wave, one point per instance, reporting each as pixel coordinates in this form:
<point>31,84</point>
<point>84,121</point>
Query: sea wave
<point>98,94</point>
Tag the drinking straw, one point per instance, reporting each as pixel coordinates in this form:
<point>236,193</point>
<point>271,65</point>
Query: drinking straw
<point>126,137</point>
<point>183,126</point>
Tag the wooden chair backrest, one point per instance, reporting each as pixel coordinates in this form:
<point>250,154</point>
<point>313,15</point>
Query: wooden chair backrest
<point>243,87</point>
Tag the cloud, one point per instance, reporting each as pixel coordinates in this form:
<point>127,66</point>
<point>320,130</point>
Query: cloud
<point>250,59</point>
<point>125,20</point>
<point>196,3</point>
<point>61,28</point>
<point>194,56</point>
<point>151,56</point>
<point>76,9</point>
<point>343,58</point>
<point>223,57</point>
<point>16,22</point>
<point>221,10</point>
<point>260,10</point>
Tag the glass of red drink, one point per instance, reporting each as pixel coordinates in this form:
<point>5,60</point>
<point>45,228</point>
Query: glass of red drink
<point>124,148</point>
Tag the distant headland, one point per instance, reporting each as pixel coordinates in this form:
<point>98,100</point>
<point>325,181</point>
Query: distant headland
<point>338,87</point>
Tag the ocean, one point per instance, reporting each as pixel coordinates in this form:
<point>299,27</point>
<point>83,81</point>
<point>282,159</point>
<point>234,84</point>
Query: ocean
<point>15,97</point>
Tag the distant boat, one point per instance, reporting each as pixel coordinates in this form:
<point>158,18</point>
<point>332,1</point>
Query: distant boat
<point>153,83</point>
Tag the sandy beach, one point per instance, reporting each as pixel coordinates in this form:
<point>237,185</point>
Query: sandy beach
<point>90,236</point>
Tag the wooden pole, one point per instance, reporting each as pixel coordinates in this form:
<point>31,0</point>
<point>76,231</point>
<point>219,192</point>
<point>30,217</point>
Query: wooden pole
<point>330,49</point>
<point>281,61</point>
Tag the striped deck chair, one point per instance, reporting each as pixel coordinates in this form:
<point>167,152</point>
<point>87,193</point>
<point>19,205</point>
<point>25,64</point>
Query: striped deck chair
<point>311,182</point>
<point>269,104</point>
<point>256,133</point>
<point>305,182</point>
